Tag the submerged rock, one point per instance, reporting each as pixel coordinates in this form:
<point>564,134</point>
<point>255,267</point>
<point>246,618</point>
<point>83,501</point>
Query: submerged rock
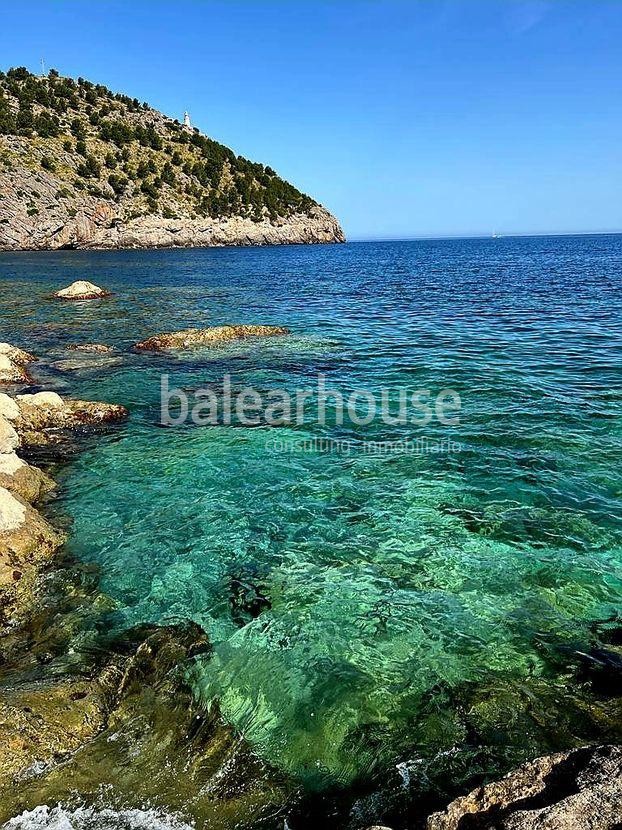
<point>95,348</point>
<point>577,790</point>
<point>193,338</point>
<point>13,363</point>
<point>132,730</point>
<point>82,290</point>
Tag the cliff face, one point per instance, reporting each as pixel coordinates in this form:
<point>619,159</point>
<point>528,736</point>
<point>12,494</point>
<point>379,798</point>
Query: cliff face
<point>87,221</point>
<point>81,167</point>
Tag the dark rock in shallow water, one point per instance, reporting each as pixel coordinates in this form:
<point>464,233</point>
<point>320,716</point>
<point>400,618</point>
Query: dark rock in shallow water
<point>133,731</point>
<point>577,790</point>
<point>93,348</point>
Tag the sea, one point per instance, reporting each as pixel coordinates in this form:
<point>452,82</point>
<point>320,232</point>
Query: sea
<point>399,600</point>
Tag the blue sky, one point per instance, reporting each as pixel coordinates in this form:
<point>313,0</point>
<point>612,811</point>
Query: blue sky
<point>406,119</point>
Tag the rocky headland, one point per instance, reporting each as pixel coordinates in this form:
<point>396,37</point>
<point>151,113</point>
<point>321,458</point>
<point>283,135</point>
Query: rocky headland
<point>83,167</point>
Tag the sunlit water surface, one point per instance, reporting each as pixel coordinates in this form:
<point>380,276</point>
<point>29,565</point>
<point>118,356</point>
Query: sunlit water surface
<point>365,611</point>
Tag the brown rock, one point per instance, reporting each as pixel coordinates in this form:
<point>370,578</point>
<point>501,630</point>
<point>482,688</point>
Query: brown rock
<point>193,338</point>
<point>44,416</point>
<point>577,790</point>
<point>27,543</point>
<point>23,479</point>
<point>41,725</point>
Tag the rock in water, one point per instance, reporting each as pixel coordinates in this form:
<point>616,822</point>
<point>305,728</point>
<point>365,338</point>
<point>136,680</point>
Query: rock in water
<point>577,790</point>
<point>82,290</point>
<point>13,363</point>
<point>212,336</point>
<point>44,416</point>
<point>91,348</point>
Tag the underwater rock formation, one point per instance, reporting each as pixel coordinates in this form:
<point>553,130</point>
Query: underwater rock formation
<point>94,348</point>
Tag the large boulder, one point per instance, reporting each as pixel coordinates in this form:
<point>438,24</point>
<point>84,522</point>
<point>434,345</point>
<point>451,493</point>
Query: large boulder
<point>212,336</point>
<point>27,543</point>
<point>15,474</point>
<point>9,439</point>
<point>577,790</point>
<point>82,290</point>
<point>13,363</point>
<point>24,479</point>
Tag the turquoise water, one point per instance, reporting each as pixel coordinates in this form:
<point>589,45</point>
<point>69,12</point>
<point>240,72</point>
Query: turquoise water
<point>365,611</point>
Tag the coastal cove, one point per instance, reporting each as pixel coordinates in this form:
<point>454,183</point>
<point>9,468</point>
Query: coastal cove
<point>362,638</point>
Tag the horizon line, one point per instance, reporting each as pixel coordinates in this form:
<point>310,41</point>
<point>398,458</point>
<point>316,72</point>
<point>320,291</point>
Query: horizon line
<point>513,235</point>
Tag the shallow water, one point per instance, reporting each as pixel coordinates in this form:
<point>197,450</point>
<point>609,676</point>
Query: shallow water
<point>366,611</point>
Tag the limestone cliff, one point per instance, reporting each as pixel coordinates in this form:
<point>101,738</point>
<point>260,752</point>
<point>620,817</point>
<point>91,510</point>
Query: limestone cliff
<point>81,167</point>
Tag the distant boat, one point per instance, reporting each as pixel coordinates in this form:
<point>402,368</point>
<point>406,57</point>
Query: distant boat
<point>496,235</point>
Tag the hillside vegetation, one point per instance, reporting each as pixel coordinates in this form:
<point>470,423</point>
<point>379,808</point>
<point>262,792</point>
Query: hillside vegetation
<point>110,146</point>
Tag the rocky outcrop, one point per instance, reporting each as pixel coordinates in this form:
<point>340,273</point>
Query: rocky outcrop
<point>24,479</point>
<point>577,790</point>
<point>82,290</point>
<point>44,417</point>
<point>27,541</point>
<point>16,476</point>
<point>212,336</point>
<point>48,201</point>
<point>13,364</point>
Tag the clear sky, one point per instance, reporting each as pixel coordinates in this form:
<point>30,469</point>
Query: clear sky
<point>405,118</point>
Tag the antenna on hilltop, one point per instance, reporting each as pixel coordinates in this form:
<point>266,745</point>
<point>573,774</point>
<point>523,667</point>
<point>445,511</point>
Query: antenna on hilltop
<point>42,67</point>
<point>187,120</point>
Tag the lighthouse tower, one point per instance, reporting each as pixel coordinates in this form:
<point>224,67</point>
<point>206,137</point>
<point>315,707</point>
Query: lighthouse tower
<point>187,120</point>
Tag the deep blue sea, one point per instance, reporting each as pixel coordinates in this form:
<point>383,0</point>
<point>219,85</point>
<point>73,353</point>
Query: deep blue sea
<point>369,611</point>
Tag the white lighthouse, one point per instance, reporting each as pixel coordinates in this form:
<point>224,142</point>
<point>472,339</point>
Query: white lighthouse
<point>187,120</point>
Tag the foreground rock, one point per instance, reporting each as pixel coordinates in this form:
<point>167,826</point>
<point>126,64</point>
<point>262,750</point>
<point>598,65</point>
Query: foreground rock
<point>20,478</point>
<point>73,735</point>
<point>13,363</point>
<point>27,543</point>
<point>577,790</point>
<point>45,416</point>
<point>212,336</point>
<point>82,290</point>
